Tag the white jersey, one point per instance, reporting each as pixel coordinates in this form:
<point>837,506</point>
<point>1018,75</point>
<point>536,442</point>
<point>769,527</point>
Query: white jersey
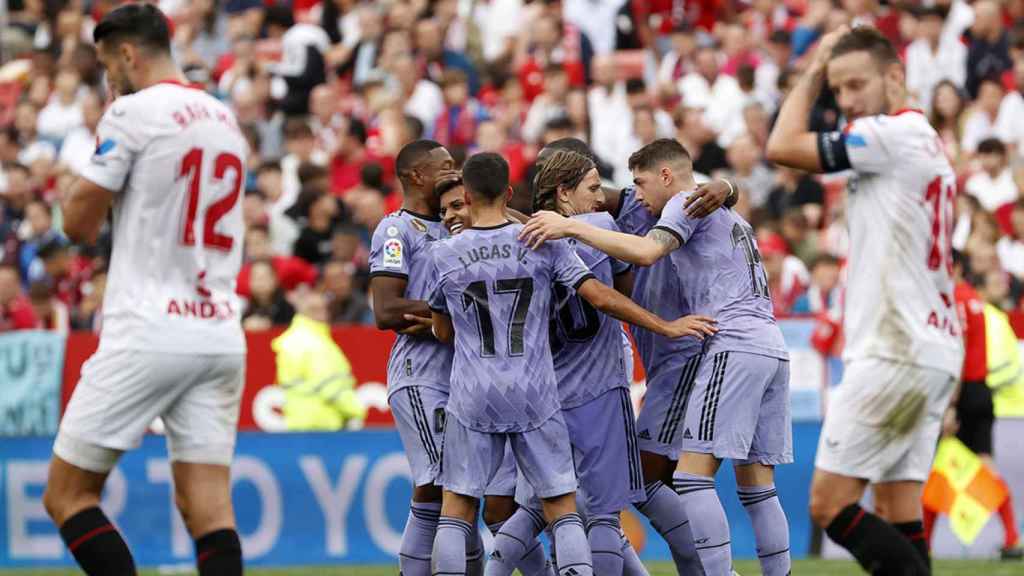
<point>899,295</point>
<point>175,160</point>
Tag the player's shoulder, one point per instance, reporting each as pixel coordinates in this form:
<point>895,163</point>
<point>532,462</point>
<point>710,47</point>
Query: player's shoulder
<point>599,219</point>
<point>902,123</point>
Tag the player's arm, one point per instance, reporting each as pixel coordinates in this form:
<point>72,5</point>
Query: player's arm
<point>618,306</point>
<point>443,329</point>
<point>390,306</point>
<point>791,143</point>
<point>639,250</point>
<point>84,209</point>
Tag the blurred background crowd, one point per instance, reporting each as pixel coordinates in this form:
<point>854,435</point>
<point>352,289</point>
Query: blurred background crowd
<point>329,91</point>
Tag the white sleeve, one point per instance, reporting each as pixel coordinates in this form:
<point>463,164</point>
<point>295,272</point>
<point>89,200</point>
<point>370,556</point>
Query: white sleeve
<point>117,145</point>
<point>870,141</point>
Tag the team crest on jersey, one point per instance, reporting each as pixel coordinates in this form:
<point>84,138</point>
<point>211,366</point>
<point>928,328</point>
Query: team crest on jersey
<point>419,225</point>
<point>392,253</point>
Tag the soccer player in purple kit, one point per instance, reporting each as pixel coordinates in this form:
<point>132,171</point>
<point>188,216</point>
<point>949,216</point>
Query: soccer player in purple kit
<point>593,387</point>
<point>419,367</point>
<point>498,294</point>
<point>745,364</point>
<point>499,497</point>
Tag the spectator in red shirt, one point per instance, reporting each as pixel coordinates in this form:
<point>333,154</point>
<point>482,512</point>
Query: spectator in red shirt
<point>492,138</point>
<point>787,275</point>
<point>350,157</point>
<point>291,271</point>
<point>15,310</point>
<point>51,313</point>
<point>456,126</point>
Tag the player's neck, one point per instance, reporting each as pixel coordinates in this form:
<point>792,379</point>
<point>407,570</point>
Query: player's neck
<point>417,204</point>
<point>161,70</point>
<point>485,216</point>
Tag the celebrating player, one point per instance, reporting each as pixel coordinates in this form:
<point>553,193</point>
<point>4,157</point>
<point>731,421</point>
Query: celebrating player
<point>498,293</point>
<point>170,161</point>
<point>668,363</point>
<point>718,273</point>
<point>499,497</point>
<point>419,367</point>
<point>593,385</point>
<point>903,350</point>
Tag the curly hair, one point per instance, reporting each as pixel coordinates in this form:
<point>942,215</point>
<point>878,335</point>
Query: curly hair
<point>564,168</point>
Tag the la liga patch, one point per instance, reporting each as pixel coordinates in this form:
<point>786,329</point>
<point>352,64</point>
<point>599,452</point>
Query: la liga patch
<point>392,257</point>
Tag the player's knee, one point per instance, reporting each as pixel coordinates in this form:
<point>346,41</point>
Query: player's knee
<point>498,509</point>
<point>61,504</point>
<point>426,493</point>
<point>823,508</point>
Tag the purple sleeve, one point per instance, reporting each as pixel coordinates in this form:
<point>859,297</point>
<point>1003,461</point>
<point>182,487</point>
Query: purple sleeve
<point>567,267</point>
<point>437,300</point>
<point>388,249</point>
<point>675,221</point>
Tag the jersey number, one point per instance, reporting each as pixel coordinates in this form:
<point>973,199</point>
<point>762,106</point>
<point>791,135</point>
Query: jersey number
<point>941,199</point>
<point>743,236</point>
<point>476,295</point>
<point>565,323</point>
<point>191,168</point>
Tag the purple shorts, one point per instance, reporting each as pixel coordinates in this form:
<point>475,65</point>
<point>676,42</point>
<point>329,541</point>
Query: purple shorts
<point>605,453</point>
<point>419,417</point>
<point>473,459</point>
<point>739,409</point>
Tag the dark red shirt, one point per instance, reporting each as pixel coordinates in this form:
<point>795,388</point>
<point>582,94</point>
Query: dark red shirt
<point>18,315</point>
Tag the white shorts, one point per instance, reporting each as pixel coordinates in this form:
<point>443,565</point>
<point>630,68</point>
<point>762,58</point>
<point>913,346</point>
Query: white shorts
<point>883,421</point>
<point>122,392</point>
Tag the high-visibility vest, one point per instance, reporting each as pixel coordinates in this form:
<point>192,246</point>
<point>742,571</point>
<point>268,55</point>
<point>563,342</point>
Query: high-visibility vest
<point>316,377</point>
<point>1005,369</point>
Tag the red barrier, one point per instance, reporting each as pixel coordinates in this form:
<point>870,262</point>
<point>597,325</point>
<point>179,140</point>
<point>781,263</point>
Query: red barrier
<point>367,350</point>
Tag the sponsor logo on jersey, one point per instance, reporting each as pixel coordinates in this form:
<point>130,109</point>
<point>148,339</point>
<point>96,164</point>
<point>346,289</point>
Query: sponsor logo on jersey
<point>392,253</point>
<point>419,225</point>
<point>856,141</point>
<point>105,146</point>
<point>687,435</point>
<point>645,434</point>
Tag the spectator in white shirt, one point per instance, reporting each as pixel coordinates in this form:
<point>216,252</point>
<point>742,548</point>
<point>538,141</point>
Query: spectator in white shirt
<point>550,104</point>
<point>300,143</point>
<point>424,99</point>
<point>719,95</point>
<point>64,112</point>
<point>993,186</point>
<point>1010,122</point>
<point>932,58</point>
<point>981,123</point>
<point>1011,248</point>
<point>676,63</point>
<point>607,99</point>
<point>79,144</point>
<point>766,78</point>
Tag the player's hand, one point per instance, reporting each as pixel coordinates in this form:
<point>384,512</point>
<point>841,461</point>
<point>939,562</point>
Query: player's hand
<point>706,199</point>
<point>445,176</point>
<point>544,226</point>
<point>420,325</point>
<point>823,53</point>
<point>950,422</point>
<point>696,326</point>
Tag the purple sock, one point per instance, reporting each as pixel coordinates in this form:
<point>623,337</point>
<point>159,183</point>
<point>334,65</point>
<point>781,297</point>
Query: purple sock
<point>449,554</point>
<point>711,534</point>
<point>667,514</point>
<point>534,562</point>
<point>604,535</point>
<point>516,543</point>
<point>418,538</point>
<point>631,564</point>
<point>771,529</point>
<point>573,548</point>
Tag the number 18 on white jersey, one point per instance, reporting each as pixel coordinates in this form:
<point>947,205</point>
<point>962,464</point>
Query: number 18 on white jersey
<point>175,160</point>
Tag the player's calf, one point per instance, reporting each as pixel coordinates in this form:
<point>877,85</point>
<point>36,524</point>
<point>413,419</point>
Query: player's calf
<point>694,482</point>
<point>72,500</point>
<point>573,550</point>
<point>202,493</point>
<point>756,491</point>
<point>454,532</point>
<point>604,532</point>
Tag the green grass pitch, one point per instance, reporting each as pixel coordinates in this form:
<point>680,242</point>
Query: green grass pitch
<point>745,568</point>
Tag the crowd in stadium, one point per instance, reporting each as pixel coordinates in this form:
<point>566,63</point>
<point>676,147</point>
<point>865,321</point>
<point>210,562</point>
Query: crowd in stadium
<point>328,92</point>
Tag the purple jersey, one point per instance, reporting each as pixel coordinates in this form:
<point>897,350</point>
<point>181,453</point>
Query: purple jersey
<point>722,277</point>
<point>656,288</point>
<point>587,344</point>
<point>498,294</point>
<point>401,248</point>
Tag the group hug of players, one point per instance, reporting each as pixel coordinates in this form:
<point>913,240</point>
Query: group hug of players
<point>509,379</point>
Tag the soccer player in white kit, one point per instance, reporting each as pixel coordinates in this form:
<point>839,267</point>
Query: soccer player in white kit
<point>903,347</point>
<point>170,163</point>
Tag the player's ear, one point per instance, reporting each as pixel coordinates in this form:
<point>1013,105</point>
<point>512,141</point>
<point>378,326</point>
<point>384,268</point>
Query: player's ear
<point>666,176</point>
<point>509,193</point>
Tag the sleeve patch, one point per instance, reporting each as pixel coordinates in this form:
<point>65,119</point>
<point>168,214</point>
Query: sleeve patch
<point>392,255</point>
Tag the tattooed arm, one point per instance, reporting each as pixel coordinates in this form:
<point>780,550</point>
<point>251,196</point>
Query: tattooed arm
<point>639,250</point>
